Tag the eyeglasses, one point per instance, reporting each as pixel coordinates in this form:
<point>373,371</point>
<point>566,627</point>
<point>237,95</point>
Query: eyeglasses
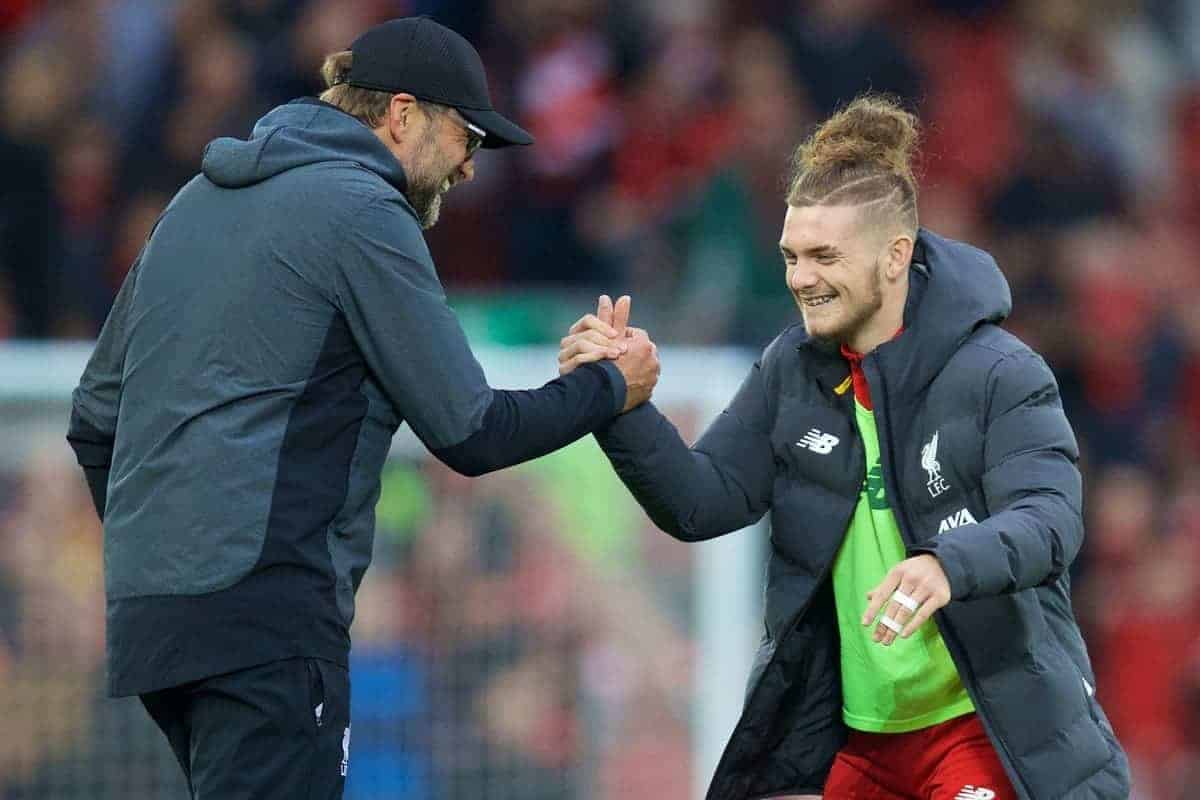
<point>475,134</point>
<point>475,137</point>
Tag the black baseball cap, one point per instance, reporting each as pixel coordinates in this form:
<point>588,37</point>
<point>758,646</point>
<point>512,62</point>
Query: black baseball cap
<point>417,56</point>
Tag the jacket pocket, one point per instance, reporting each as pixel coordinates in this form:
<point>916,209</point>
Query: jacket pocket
<point>1050,725</point>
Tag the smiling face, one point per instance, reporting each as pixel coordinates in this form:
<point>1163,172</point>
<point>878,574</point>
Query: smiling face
<point>441,158</point>
<point>847,273</point>
<point>434,146</point>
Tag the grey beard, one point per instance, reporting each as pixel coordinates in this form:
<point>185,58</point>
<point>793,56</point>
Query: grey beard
<point>427,202</point>
<point>430,214</point>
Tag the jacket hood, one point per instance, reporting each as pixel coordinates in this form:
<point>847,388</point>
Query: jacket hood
<point>953,288</point>
<point>302,132</point>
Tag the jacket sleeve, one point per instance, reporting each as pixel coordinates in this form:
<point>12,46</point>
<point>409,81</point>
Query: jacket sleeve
<point>1032,488</point>
<point>393,302</point>
<point>95,402</point>
<point>721,484</point>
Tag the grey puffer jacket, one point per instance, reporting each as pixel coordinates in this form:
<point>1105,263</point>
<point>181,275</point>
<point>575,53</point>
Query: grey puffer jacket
<point>979,463</point>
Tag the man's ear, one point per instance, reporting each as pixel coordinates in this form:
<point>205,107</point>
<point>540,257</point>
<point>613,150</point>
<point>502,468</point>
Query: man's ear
<point>401,116</point>
<point>899,256</point>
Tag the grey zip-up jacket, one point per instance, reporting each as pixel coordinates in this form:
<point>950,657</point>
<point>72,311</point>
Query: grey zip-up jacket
<point>281,322</point>
<point>969,420</point>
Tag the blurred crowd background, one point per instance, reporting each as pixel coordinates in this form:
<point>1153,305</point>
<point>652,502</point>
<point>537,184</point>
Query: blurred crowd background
<point>1061,135</point>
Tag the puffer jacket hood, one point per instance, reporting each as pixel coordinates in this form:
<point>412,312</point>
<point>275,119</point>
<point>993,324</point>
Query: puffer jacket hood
<point>957,288</point>
<point>302,132</point>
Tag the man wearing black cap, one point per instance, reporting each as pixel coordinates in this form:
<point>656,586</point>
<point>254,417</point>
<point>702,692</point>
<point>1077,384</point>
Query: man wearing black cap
<point>406,64</point>
<point>282,320</point>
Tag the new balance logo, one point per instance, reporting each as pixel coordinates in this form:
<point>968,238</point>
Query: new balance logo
<point>958,518</point>
<point>818,442</point>
<point>969,792</point>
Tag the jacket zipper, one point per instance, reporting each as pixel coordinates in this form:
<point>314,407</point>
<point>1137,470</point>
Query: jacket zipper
<point>887,447</point>
<point>794,623</point>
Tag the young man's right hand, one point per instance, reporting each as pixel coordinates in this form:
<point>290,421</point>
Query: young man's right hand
<point>606,334</point>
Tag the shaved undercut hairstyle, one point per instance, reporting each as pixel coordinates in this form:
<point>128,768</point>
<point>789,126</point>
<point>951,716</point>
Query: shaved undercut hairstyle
<point>862,155</point>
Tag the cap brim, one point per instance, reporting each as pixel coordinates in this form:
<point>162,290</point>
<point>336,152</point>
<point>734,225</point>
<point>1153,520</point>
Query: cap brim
<point>500,131</point>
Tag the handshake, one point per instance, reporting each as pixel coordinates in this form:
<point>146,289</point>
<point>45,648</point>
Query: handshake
<point>607,335</point>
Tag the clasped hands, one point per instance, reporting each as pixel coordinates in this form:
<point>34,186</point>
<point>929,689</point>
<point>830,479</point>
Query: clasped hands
<point>607,335</point>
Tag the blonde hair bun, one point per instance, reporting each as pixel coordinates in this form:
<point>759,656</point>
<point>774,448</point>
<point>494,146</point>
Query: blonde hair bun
<point>863,153</point>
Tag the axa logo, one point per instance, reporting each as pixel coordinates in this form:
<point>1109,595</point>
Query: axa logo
<point>818,442</point>
<point>970,792</point>
<point>956,520</point>
<point>933,468</point>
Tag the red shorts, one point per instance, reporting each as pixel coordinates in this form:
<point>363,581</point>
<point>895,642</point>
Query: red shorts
<point>951,761</point>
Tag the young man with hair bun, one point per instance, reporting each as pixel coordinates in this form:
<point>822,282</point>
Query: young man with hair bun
<point>925,508</point>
